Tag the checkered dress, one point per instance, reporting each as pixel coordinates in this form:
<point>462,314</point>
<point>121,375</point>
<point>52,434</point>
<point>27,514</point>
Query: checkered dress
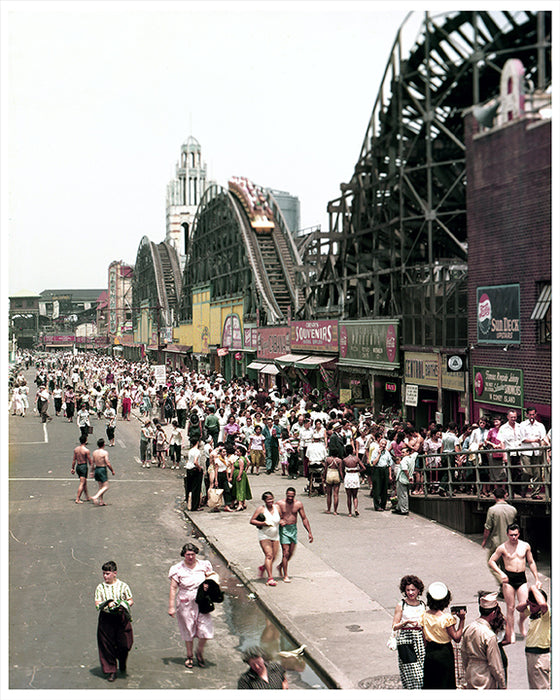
<point>412,674</point>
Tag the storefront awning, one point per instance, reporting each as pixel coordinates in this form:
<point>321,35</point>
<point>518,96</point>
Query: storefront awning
<point>256,365</point>
<point>357,365</point>
<point>269,369</point>
<point>313,361</point>
<point>178,348</point>
<point>288,360</point>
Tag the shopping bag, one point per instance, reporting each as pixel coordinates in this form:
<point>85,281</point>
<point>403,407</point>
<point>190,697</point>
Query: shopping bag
<point>215,498</point>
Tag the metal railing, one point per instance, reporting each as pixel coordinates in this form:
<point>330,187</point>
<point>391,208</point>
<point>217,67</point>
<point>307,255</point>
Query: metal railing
<point>526,472</point>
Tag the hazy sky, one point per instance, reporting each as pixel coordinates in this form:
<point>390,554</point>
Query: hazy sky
<point>97,99</point>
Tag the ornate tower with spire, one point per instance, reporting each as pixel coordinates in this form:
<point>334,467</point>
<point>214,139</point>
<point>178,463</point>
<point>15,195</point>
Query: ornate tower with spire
<point>184,193</point>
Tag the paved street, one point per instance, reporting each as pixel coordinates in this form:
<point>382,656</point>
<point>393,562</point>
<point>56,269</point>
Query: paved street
<point>56,552</point>
<point>340,602</point>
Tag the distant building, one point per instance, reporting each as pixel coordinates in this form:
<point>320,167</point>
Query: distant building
<point>184,193</point>
<point>24,318</point>
<point>120,300</point>
<point>64,309</point>
<point>289,206</point>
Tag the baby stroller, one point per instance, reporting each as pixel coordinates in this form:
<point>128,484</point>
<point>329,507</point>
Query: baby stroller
<point>315,480</point>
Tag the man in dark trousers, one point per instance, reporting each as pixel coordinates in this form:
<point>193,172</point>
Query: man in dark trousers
<point>336,443</point>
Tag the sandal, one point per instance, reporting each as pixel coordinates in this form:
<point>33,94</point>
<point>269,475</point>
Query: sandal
<point>271,582</point>
<point>200,661</point>
<point>189,662</point>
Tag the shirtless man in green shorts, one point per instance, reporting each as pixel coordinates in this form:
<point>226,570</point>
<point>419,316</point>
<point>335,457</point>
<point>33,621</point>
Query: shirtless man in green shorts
<point>80,462</point>
<point>289,509</point>
<point>100,464</point>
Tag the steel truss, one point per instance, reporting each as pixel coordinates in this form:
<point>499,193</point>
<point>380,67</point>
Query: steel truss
<point>157,282</point>
<point>225,251</point>
<point>397,241</point>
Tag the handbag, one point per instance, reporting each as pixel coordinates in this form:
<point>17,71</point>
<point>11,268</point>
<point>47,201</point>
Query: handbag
<point>215,498</point>
<point>392,642</point>
<point>407,654</point>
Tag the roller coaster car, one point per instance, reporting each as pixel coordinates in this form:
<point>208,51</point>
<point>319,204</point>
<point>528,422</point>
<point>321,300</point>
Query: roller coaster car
<point>261,224</point>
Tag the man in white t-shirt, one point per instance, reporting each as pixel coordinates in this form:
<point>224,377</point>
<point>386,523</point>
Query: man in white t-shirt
<point>509,436</point>
<point>193,479</point>
<point>533,434</point>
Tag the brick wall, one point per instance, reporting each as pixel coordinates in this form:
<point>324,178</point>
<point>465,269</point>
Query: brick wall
<point>509,234</point>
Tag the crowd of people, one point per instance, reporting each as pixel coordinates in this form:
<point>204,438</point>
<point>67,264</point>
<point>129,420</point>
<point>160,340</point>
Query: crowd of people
<point>226,434</point>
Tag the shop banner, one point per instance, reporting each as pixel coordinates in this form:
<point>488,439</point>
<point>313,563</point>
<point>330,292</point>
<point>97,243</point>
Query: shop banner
<point>422,368</point>
<point>370,343</point>
<point>314,336</point>
<point>498,314</point>
<point>250,338</point>
<point>499,386</point>
<point>52,339</point>
<point>411,395</point>
<point>273,342</point>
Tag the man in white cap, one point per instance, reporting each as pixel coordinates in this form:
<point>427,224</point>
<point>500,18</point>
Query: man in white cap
<point>482,660</point>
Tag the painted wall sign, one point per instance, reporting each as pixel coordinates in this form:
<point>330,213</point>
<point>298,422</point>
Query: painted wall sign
<point>422,368</point>
<point>47,339</point>
<point>499,386</point>
<point>273,342</point>
<point>370,343</point>
<point>498,314</point>
<point>314,336</point>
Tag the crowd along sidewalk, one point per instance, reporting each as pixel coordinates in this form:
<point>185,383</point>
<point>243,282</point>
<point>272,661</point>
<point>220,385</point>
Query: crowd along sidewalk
<point>344,587</point>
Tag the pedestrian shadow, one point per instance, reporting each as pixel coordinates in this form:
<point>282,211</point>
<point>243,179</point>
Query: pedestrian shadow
<point>174,660</point>
<point>97,671</point>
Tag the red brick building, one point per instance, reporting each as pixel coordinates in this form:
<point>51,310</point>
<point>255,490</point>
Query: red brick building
<point>509,259</point>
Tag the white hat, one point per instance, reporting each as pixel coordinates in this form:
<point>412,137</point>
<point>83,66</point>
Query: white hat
<point>488,601</point>
<point>438,590</point>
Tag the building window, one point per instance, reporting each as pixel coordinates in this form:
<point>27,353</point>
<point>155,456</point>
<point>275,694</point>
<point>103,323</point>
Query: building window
<point>542,313</point>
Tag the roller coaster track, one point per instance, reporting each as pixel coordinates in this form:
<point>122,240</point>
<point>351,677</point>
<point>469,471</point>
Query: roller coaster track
<point>398,231</point>
<point>274,285</point>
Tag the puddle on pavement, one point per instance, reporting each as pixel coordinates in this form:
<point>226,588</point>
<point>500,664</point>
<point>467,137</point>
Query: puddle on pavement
<point>248,621</point>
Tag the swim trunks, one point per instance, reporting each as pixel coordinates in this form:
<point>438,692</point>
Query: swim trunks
<point>288,534</point>
<point>516,578</point>
<point>100,474</point>
<point>81,470</point>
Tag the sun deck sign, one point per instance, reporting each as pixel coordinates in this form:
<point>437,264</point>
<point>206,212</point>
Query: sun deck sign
<point>498,314</point>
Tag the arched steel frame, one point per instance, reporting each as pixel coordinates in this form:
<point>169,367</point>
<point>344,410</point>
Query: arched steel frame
<point>224,252</point>
<point>397,241</point>
<point>216,255</point>
<point>157,282</point>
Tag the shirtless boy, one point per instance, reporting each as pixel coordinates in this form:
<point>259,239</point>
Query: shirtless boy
<point>100,464</point>
<point>289,509</point>
<point>80,462</point>
<point>516,555</point>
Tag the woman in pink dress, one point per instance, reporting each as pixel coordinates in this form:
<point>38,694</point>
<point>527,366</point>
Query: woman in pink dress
<point>126,403</point>
<point>186,577</point>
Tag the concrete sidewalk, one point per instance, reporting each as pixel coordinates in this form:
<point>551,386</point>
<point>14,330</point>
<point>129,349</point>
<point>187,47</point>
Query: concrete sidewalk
<point>344,587</point>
